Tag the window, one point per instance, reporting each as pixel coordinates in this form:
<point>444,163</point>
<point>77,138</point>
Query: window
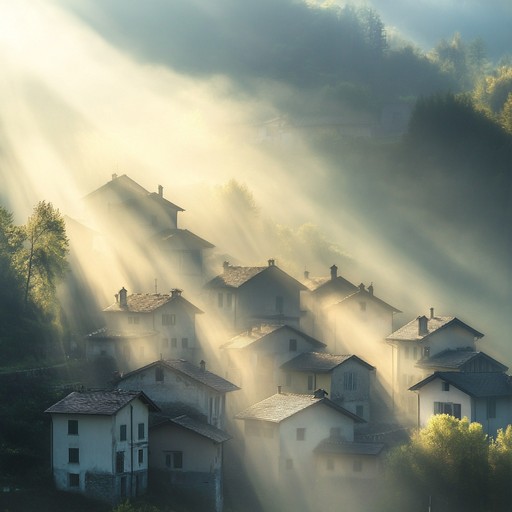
<point>184,342</point>
<point>72,427</point>
<point>447,408</point>
<point>119,462</point>
<point>159,374</point>
<point>329,464</point>
<point>141,430</point>
<point>174,342</point>
<point>74,480</point>
<point>122,432</point>
<point>362,306</point>
<point>292,344</point>
<point>177,460</point>
<point>141,456</point>
<point>491,408</point>
<point>220,300</point>
<point>350,381</point>
<point>357,465</point>
<point>165,343</point>
<point>168,319</point>
<point>301,434</point>
<point>445,386</point>
<point>426,351</point>
<point>359,410</point>
<point>279,304</point>
<point>229,300</point>
<point>133,319</point>
<point>311,382</point>
<point>73,455</point>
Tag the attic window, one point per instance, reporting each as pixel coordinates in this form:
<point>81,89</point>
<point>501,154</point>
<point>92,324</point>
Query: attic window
<point>445,386</point>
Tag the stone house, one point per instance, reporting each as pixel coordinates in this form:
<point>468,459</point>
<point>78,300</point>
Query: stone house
<point>99,443</point>
<point>141,328</point>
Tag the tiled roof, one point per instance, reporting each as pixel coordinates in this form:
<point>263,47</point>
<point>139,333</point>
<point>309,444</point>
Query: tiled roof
<point>256,335</point>
<point>196,373</point>
<point>184,237</point>
<point>410,331</point>
<point>456,359</point>
<point>162,200</point>
<point>202,428</point>
<point>281,406</point>
<point>149,302</point>
<point>234,277</point>
<point>329,285</point>
<point>320,362</point>
<point>364,294</point>
<point>475,384</point>
<point>338,446</point>
<point>98,402</point>
<point>110,334</point>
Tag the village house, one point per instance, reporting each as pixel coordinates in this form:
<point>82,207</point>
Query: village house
<point>186,460</point>
<point>243,297</point>
<point>422,339</point>
<point>99,443</point>
<point>178,386</point>
<point>321,293</point>
<point>482,397</point>
<point>346,378</point>
<point>131,215</point>
<point>142,327</point>
<point>253,359</point>
<point>280,436</point>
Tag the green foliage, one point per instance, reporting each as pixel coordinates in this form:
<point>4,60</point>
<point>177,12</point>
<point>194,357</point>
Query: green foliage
<point>451,462</point>
<point>127,506</point>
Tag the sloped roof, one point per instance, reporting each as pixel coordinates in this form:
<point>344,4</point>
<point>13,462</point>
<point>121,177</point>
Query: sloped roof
<point>111,334</point>
<point>361,293</point>
<point>320,362</point>
<point>196,373</point>
<point>185,237</point>
<point>149,302</point>
<point>257,335</point>
<point>199,427</point>
<point>165,202</point>
<point>235,277</point>
<point>474,384</point>
<point>456,359</point>
<point>328,284</point>
<point>410,331</point>
<point>334,445</point>
<point>105,403</point>
<point>282,406</point>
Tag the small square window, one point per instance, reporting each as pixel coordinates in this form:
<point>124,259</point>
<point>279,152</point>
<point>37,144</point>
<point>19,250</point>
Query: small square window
<point>74,480</point>
<point>72,427</point>
<point>122,432</point>
<point>445,386</point>
<point>301,434</point>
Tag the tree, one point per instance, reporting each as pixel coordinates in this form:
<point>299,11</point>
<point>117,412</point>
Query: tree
<point>447,461</point>
<point>43,261</point>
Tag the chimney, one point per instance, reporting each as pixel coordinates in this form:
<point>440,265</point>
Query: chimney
<point>370,289</point>
<point>271,263</point>
<point>431,312</point>
<point>160,191</point>
<point>114,176</point>
<point>334,272</point>
<point>117,297</point>
<point>202,365</point>
<point>123,301</point>
<point>306,274</point>
<point>279,390</point>
<point>320,393</point>
<point>422,325</point>
<point>225,265</point>
<point>176,292</point>
<point>361,287</point>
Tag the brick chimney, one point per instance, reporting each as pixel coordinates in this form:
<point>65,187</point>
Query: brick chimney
<point>361,287</point>
<point>271,263</point>
<point>431,312</point>
<point>334,272</point>
<point>422,325</point>
<point>123,300</point>
<point>176,292</point>
<point>306,274</point>
<point>225,265</point>
<point>202,365</point>
<point>160,191</point>
<point>370,289</point>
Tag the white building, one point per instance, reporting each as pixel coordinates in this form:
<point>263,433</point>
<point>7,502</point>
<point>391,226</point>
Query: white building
<point>100,443</point>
